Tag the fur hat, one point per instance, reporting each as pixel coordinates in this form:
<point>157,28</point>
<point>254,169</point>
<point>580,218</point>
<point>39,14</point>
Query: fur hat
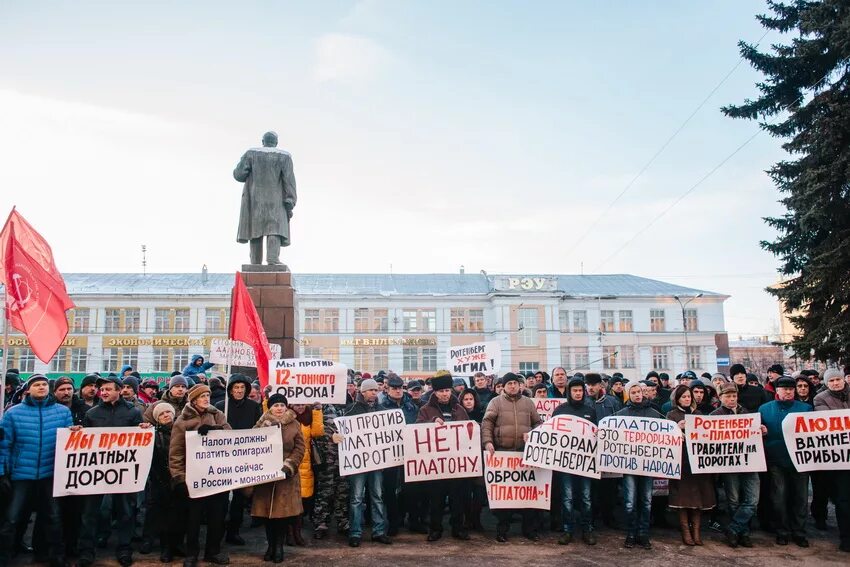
<point>442,381</point>
<point>161,408</point>
<point>197,390</point>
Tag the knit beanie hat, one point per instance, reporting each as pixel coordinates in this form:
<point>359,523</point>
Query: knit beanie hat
<point>133,382</point>
<point>368,384</point>
<point>62,380</point>
<point>35,378</point>
<point>178,380</point>
<point>277,398</point>
<point>161,408</point>
<point>197,390</point>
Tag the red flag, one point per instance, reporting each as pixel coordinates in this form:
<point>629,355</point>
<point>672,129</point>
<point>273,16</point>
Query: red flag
<point>246,326</point>
<point>31,242</point>
<point>36,299</point>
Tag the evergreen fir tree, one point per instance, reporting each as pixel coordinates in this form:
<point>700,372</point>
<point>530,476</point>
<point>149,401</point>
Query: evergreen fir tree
<point>807,89</point>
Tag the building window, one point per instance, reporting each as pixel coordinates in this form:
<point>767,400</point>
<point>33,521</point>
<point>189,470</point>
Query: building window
<point>130,355</point>
<point>114,358</point>
<point>160,359</point>
<point>180,358</point>
<point>311,320</point>
<point>564,321</point>
<point>112,320</point>
<point>419,320</point>
<point>311,352</point>
<point>565,357</point>
<point>694,357</point>
<point>160,320</point>
<point>476,320</point>
<point>361,320</point>
<point>380,321</point>
<point>68,359</point>
<point>527,334</point>
<point>111,358</point>
<point>371,359</point>
<point>181,320</point>
<point>79,320</point>
<point>215,320</point>
<point>429,359</point>
<point>609,357</point>
<point>529,366</point>
<point>660,358</point>
<point>458,320</point>
<point>691,323</point>
<point>626,325</point>
<point>581,358</point>
<point>409,321</point>
<point>22,358</point>
<point>331,320</point>
<point>627,357</point>
<point>656,321</point>
<point>132,320</point>
<point>173,320</point>
<point>606,321</point>
<point>370,320</point>
<point>410,359</point>
<point>579,321</point>
<point>429,320</point>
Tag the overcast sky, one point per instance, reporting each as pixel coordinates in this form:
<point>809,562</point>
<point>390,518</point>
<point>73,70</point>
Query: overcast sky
<point>425,136</point>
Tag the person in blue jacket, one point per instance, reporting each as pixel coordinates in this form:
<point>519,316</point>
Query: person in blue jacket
<point>26,456</point>
<point>789,488</point>
<point>197,366</point>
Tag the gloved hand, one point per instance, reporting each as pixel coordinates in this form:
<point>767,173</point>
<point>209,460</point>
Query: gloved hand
<point>204,429</point>
<point>288,469</point>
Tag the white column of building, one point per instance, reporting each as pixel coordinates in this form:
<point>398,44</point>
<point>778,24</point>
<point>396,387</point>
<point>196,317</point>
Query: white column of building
<point>346,328</point>
<point>499,316</point>
<point>553,338</point>
<point>594,338</point>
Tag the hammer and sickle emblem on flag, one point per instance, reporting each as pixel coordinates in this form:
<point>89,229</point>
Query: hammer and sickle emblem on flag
<point>19,285</point>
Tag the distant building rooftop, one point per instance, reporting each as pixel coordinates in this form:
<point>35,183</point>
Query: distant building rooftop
<point>615,285</point>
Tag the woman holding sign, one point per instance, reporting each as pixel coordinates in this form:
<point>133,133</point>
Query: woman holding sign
<point>279,502</point>
<point>693,493</point>
<point>312,425</point>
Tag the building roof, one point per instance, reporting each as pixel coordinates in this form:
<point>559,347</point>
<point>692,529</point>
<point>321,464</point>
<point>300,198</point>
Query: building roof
<point>614,285</point>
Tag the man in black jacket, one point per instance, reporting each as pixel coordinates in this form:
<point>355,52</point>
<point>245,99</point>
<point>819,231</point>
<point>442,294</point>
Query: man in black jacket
<point>111,411</point>
<point>63,391</point>
<point>242,413</point>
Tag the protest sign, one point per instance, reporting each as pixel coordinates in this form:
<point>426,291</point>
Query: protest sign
<point>546,406</point>
<point>451,450</point>
<point>466,360</point>
<point>307,380</point>
<point>725,443</point>
<point>511,484</point>
<point>641,446</point>
<point>660,487</point>
<point>818,441</point>
<point>102,460</point>
<point>563,443</point>
<point>225,460</point>
<point>370,441</point>
<point>237,353</point>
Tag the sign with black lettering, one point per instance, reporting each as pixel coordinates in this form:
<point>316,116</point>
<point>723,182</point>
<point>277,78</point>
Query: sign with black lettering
<point>370,441</point>
<point>818,441</point>
<point>511,484</point>
<point>466,360</point>
<point>725,443</point>
<point>224,460</point>
<point>564,443</point>
<point>451,450</point>
<point>102,460</point>
<point>307,380</point>
<point>640,446</point>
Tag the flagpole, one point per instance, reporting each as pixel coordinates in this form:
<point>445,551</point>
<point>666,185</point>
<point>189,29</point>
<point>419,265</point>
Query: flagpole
<point>5,357</point>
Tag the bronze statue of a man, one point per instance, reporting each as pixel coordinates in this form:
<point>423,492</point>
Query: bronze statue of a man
<point>268,198</point>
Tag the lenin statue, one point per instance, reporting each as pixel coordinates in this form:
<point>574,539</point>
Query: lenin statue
<point>267,199</point>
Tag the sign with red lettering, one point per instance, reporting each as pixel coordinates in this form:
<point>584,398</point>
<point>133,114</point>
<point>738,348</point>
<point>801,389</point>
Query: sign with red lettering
<point>307,380</point>
<point>102,460</point>
<point>725,443</point>
<point>466,360</point>
<point>511,484</point>
<point>818,441</point>
<point>640,446</point>
<point>546,406</point>
<point>564,443</point>
<point>433,452</point>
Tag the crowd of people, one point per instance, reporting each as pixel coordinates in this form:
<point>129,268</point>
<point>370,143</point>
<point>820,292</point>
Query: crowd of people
<point>73,528</point>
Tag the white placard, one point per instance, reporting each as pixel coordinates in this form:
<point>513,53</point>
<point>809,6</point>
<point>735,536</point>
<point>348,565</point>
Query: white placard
<point>237,353</point>
<point>307,380</point>
<point>451,450</point>
<point>511,484</point>
<point>546,406</point>
<point>640,446</point>
<point>370,441</point>
<point>224,460</point>
<point>102,460</point>
<point>725,443</point>
<point>466,360</point>
<point>564,443</point>
<point>818,441</point>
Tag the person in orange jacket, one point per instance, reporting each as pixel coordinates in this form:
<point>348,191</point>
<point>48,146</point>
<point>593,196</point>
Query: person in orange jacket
<point>312,425</point>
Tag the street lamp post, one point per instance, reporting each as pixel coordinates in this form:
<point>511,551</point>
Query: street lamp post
<point>685,323</point>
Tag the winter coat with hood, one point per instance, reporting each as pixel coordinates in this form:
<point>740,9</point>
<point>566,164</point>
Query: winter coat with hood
<point>578,408</point>
<point>119,413</point>
<point>810,400</point>
<point>244,413</point>
<point>406,405</point>
<point>312,425</point>
<point>217,392</point>
<point>193,370</point>
<point>29,444</point>
<point>189,420</point>
<point>430,412</point>
<point>167,398</point>
<point>829,400</point>
<point>282,498</point>
<point>506,420</point>
<point>476,414</point>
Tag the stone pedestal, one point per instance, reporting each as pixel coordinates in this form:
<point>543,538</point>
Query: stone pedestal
<point>271,290</point>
